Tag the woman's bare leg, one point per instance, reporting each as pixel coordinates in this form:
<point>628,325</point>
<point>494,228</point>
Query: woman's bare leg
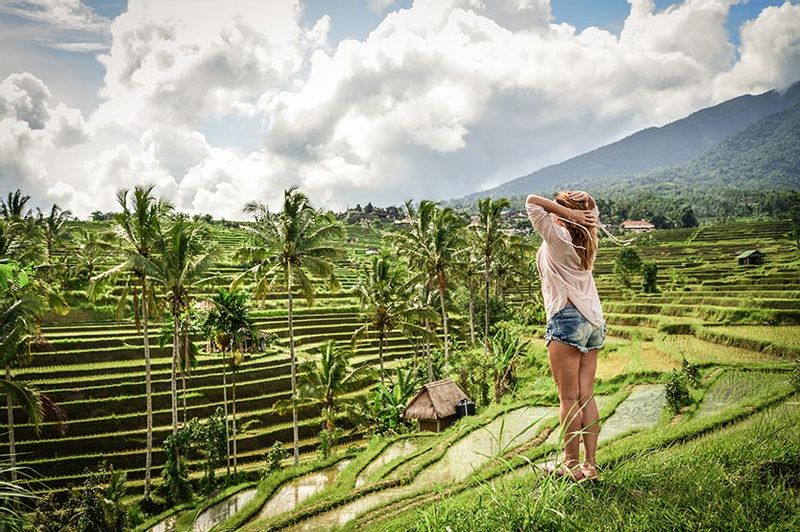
<point>564,364</point>
<point>589,415</point>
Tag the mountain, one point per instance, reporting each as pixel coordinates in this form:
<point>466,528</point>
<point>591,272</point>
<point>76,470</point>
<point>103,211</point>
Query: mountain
<point>763,156</point>
<point>674,143</point>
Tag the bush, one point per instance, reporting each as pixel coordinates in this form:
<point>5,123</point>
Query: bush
<point>94,507</point>
<point>626,265</point>
<point>649,277</point>
<point>275,455</point>
<point>677,392</point>
<point>691,372</point>
<point>176,487</point>
<point>328,440</point>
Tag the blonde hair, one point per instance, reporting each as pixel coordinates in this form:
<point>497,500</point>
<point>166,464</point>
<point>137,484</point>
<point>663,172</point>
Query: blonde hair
<point>584,238</point>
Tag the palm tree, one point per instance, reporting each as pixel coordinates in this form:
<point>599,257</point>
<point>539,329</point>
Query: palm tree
<point>54,229</point>
<point>510,263</point>
<point>288,247</point>
<point>14,205</point>
<point>506,349</point>
<point>189,350</point>
<point>20,236</point>
<point>380,291</point>
<point>325,380</point>
<point>92,247</point>
<point>489,238</point>
<point>410,244</point>
<point>138,227</point>
<point>468,271</point>
<point>441,257</point>
<point>181,265</point>
<point>230,324</point>
<point>20,307</point>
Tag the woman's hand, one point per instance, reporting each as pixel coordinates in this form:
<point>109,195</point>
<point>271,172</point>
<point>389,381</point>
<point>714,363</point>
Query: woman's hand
<point>583,217</point>
<point>578,195</point>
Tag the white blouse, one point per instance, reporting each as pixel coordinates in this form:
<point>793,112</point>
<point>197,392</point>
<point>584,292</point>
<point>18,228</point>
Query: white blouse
<point>560,269</point>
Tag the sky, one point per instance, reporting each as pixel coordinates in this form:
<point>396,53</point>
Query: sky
<point>220,103</point>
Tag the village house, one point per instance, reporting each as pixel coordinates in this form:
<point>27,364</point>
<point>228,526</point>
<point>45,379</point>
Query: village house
<point>637,226</point>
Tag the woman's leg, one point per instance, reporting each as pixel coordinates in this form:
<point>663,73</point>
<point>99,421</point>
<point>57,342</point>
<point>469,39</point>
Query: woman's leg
<point>589,415</point>
<point>564,364</point>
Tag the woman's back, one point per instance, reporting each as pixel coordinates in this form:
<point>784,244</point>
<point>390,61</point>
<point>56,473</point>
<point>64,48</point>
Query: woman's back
<point>562,275</point>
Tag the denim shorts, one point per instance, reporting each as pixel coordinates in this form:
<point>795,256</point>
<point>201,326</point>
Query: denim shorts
<point>569,326</point>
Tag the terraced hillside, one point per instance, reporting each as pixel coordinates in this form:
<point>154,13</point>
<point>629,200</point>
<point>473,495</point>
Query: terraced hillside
<point>739,325</point>
<point>709,309</point>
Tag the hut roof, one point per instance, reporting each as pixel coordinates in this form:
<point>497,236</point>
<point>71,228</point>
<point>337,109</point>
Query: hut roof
<point>627,224</point>
<point>436,400</point>
<point>748,253</point>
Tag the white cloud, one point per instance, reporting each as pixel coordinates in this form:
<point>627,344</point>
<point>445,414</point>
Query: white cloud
<point>770,52</point>
<point>80,47</point>
<point>31,131</point>
<point>24,97</point>
<point>439,100</point>
<point>64,14</point>
<point>70,25</point>
<point>170,63</point>
<point>380,5</point>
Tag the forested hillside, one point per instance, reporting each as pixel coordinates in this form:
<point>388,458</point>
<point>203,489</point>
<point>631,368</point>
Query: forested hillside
<point>672,144</point>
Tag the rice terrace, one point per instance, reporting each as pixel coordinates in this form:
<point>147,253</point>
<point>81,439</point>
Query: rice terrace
<point>199,333</point>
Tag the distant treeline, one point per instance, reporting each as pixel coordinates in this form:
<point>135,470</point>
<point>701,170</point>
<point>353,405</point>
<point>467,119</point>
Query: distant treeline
<point>669,205</point>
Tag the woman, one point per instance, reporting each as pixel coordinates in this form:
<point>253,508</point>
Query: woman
<point>574,318</point>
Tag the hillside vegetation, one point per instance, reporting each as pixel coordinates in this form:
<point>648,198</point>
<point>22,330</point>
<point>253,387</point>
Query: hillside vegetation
<point>678,142</point>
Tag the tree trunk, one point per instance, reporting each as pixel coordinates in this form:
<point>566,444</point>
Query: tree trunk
<point>471,313</point>
<point>380,353</point>
<point>173,386</point>
<point>148,392</point>
<point>225,407</point>
<point>486,310</point>
<point>444,322</point>
<point>233,404</point>
<point>428,354</point>
<point>183,395</point>
<point>186,363</point>
<point>295,435</point>
<point>12,445</point>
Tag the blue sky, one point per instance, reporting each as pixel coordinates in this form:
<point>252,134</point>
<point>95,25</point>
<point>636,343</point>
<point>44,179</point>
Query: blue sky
<point>354,19</point>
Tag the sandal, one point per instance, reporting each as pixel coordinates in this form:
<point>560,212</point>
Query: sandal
<point>589,471</point>
<point>564,471</point>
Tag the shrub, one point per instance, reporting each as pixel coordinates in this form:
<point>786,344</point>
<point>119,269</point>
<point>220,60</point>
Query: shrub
<point>274,456</point>
<point>649,277</point>
<point>97,506</point>
<point>691,372</point>
<point>677,392</point>
<point>176,487</point>
<point>328,440</point>
<point>626,265</point>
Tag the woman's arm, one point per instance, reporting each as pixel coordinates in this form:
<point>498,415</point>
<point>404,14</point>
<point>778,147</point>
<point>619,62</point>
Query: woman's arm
<point>549,205</point>
<point>583,217</point>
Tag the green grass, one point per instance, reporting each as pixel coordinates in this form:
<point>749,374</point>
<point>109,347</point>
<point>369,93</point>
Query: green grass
<point>742,477</point>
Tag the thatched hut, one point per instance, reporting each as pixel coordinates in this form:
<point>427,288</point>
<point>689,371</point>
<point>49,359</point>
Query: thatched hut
<point>434,406</point>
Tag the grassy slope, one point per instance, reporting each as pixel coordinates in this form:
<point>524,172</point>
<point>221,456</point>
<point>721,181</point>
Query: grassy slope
<point>742,477</point>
